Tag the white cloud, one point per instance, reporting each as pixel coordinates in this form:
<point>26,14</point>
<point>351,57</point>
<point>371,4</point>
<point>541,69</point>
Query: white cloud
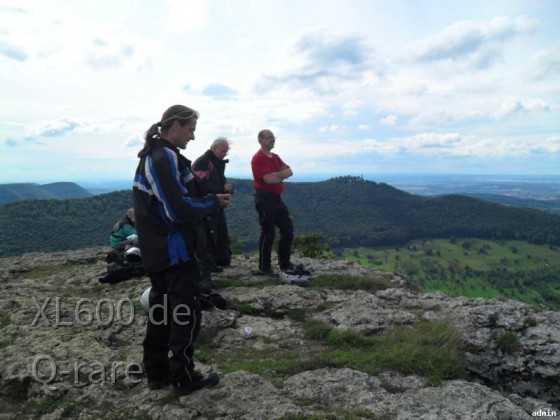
<point>134,141</point>
<point>321,61</point>
<point>513,106</point>
<point>330,128</point>
<point>548,145</point>
<point>103,55</point>
<point>545,64</point>
<point>464,38</point>
<point>389,120</point>
<point>53,128</point>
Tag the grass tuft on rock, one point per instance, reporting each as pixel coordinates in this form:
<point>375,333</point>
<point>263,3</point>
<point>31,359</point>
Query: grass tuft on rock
<point>345,282</point>
<point>430,349</point>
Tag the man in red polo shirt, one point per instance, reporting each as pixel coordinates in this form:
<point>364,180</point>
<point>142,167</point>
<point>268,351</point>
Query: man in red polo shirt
<point>269,172</point>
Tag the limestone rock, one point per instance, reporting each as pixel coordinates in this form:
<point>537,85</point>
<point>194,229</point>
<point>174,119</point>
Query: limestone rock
<point>71,347</point>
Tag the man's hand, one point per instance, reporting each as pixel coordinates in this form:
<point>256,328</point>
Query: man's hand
<point>278,177</point>
<point>224,200</point>
<point>228,188</point>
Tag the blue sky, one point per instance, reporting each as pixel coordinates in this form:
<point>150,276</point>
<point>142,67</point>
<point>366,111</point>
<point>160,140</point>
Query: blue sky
<point>349,88</point>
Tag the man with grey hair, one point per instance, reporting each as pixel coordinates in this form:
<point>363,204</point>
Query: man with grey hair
<point>210,171</point>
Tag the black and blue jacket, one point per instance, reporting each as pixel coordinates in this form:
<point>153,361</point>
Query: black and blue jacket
<point>168,212</point>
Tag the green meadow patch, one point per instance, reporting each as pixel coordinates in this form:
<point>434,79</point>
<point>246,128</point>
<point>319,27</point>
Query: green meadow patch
<point>46,270</point>
<point>473,267</point>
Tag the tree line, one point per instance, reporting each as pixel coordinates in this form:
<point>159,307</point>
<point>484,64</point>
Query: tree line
<point>348,211</point>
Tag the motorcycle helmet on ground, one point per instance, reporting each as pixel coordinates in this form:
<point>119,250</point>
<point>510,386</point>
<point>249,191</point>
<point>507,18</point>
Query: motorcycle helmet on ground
<point>145,299</point>
<point>133,254</point>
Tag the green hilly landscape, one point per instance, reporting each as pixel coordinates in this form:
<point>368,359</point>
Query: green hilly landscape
<point>31,191</point>
<point>551,205</point>
<point>472,267</point>
<point>454,243</point>
<point>348,211</point>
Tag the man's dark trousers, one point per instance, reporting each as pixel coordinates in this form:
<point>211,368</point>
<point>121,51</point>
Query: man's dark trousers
<point>273,213</point>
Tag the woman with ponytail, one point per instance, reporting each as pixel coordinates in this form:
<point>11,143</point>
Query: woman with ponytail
<point>179,113</point>
<point>168,220</point>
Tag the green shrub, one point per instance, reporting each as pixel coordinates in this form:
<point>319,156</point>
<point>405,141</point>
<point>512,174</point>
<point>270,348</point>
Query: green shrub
<point>508,342</point>
<point>493,319</point>
<point>312,245</point>
<point>296,314</point>
<point>4,320</point>
<point>531,322</point>
<point>245,308</point>
<point>316,330</point>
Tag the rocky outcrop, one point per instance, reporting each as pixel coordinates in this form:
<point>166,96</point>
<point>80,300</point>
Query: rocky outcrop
<point>72,348</point>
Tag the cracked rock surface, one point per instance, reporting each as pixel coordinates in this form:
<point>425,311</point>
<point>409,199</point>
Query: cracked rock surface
<point>71,347</point>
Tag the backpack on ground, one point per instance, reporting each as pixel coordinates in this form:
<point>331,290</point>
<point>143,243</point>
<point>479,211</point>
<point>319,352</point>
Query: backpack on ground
<point>123,264</point>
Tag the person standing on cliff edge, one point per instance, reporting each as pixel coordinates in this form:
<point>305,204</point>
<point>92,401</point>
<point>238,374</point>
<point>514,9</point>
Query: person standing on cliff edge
<point>269,173</point>
<point>169,217</point>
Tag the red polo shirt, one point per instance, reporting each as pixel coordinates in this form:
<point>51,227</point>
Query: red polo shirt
<point>262,165</point>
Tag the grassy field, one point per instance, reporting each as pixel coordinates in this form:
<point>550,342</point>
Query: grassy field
<point>473,267</point>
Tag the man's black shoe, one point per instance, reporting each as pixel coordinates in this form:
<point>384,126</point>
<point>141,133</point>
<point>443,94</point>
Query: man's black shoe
<point>221,302</point>
<point>288,267</point>
<point>155,384</point>
<point>217,269</point>
<point>206,283</point>
<point>203,380</point>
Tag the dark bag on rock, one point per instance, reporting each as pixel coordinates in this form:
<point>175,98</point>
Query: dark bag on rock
<point>123,264</point>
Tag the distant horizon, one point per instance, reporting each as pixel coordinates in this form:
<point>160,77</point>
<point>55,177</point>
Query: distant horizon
<point>323,177</point>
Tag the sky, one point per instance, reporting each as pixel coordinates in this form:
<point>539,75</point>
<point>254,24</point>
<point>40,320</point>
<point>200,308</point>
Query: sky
<point>348,87</point>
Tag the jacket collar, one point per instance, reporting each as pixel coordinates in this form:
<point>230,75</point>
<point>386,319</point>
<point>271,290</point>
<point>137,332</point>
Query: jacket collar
<point>168,144</point>
<point>210,155</point>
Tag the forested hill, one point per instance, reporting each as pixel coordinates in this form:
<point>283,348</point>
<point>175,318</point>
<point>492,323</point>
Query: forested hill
<point>548,205</point>
<point>30,191</point>
<point>360,212</point>
<point>350,210</point>
<point>55,225</point>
